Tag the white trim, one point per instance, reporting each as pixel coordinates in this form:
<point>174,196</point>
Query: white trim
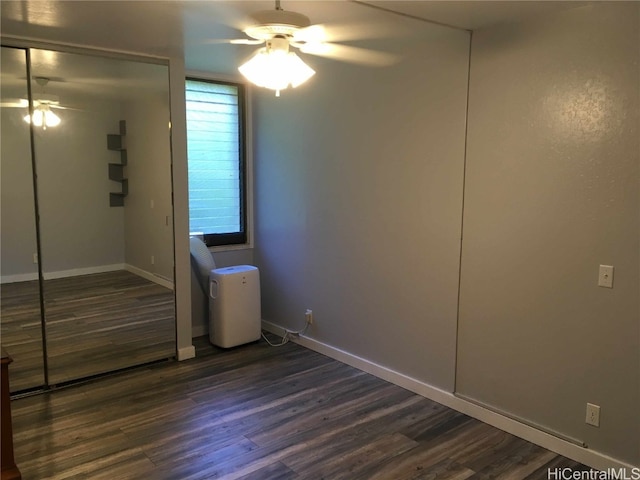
<point>20,277</point>
<point>230,248</point>
<point>70,47</point>
<point>221,77</point>
<point>149,276</point>
<point>185,353</point>
<point>592,458</point>
<point>75,272</point>
<point>88,271</point>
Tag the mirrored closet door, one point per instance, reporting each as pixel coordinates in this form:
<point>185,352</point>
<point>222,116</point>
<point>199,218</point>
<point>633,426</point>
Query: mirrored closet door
<point>102,161</point>
<point>20,312</point>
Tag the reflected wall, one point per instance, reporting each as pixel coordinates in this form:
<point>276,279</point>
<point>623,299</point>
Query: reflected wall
<point>19,288</point>
<point>105,214</point>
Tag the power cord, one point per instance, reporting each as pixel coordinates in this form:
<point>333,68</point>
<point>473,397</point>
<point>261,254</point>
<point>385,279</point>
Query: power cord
<point>289,333</point>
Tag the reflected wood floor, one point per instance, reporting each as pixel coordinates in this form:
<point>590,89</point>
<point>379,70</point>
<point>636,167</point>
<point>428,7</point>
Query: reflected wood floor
<point>258,412</point>
<point>95,323</point>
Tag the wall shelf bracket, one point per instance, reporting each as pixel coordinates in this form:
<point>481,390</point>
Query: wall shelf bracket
<point>117,142</point>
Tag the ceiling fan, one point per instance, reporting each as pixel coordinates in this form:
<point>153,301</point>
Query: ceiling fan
<point>276,66</point>
<point>39,98</point>
<point>43,103</point>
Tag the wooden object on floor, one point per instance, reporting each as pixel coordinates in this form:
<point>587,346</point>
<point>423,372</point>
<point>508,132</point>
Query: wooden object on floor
<point>260,413</point>
<point>9,469</point>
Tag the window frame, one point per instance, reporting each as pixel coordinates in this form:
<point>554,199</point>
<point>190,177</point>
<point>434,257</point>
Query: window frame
<point>243,238</point>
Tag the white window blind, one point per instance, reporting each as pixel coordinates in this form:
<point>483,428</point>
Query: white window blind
<point>215,158</point>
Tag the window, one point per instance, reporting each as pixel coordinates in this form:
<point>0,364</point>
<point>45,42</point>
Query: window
<point>216,161</point>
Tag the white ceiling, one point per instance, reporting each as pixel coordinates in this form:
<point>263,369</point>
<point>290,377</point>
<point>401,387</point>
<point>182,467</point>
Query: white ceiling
<point>172,27</point>
<point>475,14</point>
<point>187,28</point>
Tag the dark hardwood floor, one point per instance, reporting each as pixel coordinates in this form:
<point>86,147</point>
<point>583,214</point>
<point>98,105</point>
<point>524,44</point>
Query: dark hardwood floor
<point>258,412</point>
<point>95,323</point>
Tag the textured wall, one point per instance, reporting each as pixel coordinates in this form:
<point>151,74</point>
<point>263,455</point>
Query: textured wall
<point>148,210</point>
<point>552,192</point>
<point>78,228</point>
<point>358,200</point>
<point>18,223</point>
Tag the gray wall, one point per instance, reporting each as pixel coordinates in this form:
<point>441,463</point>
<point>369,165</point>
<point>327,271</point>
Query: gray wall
<point>18,242</point>
<point>78,228</point>
<point>552,192</point>
<point>358,201</point>
<point>148,211</point>
<point>359,178</point>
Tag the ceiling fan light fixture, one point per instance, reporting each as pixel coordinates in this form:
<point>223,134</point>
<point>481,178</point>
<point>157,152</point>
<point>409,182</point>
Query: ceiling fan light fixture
<point>275,67</point>
<point>43,117</point>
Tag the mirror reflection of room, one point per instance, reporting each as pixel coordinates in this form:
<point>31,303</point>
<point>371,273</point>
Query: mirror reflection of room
<point>101,155</point>
<point>19,291</point>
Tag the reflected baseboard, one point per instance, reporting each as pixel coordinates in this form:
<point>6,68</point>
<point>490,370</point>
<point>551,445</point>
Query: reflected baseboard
<point>74,272</point>
<point>21,277</point>
<point>152,277</point>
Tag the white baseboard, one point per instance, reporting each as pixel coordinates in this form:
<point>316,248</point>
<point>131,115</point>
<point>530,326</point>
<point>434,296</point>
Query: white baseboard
<point>185,353</point>
<point>149,276</point>
<point>88,271</point>
<point>74,272</point>
<point>20,277</point>
<point>583,455</point>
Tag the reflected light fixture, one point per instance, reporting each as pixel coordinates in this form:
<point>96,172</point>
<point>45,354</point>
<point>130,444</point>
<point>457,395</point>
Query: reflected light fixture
<point>275,67</point>
<point>43,117</point>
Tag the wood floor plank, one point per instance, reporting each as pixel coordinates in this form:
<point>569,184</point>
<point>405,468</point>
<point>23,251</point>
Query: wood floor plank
<point>519,464</point>
<point>446,469</point>
<point>338,439</point>
<point>260,413</point>
<point>94,324</point>
<point>556,462</point>
<point>347,460</point>
<point>274,471</point>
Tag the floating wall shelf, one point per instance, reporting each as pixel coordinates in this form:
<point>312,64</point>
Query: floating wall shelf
<point>117,142</point>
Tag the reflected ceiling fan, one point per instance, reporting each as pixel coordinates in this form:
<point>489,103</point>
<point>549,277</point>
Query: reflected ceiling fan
<point>276,66</point>
<point>43,103</point>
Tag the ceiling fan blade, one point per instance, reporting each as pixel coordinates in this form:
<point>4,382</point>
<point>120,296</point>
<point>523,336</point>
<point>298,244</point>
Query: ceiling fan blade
<point>60,107</point>
<point>234,41</point>
<point>15,104</point>
<point>348,53</point>
<point>344,32</point>
<point>312,34</point>
<point>246,41</point>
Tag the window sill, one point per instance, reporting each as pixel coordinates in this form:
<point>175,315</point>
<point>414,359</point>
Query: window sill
<point>230,248</point>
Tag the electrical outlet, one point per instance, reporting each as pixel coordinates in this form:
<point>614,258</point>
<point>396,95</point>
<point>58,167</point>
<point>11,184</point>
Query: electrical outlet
<point>35,258</point>
<point>308,315</point>
<point>153,260</point>
<point>605,276</point>
<point>593,415</point>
